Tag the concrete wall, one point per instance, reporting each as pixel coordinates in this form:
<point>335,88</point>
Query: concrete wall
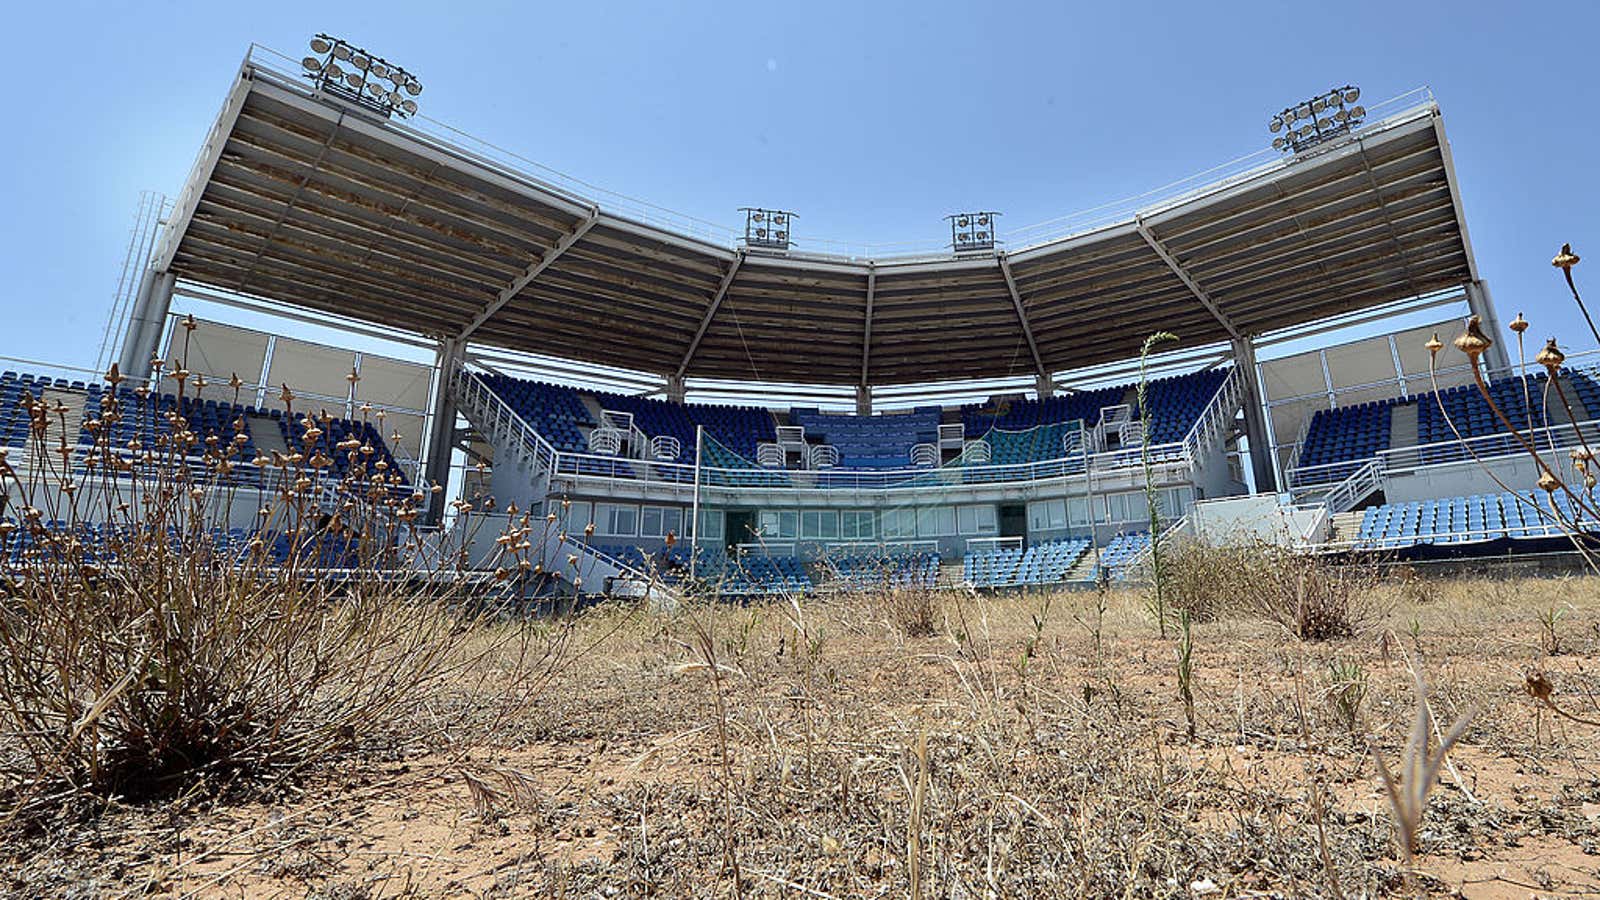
<point>1258,517</point>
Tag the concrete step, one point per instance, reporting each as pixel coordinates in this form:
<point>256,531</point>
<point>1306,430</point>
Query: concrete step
<point>267,435</point>
<point>1403,425</point>
<point>1346,525</point>
<point>950,573</point>
<point>74,402</point>
<point>1084,568</point>
<point>1557,411</point>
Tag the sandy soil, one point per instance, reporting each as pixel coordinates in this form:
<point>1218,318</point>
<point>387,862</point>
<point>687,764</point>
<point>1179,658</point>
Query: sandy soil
<point>1056,763</point>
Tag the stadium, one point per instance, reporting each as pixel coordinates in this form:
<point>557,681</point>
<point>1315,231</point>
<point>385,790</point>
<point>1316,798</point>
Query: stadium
<point>433,522</point>
<point>772,419</point>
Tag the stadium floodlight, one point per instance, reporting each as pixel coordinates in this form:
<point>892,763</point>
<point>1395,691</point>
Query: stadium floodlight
<point>370,82</point>
<point>972,231</point>
<point>765,229</point>
<point>1319,119</point>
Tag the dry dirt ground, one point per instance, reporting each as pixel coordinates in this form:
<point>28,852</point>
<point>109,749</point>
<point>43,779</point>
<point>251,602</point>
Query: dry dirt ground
<point>1030,746</point>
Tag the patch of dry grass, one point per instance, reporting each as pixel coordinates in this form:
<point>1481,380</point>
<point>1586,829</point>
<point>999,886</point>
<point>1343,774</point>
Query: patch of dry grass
<point>1005,754</point>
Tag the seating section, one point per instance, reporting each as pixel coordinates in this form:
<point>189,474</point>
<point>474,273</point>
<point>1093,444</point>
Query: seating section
<point>1469,520</point>
<point>1585,393</point>
<point>1471,414</point>
<point>991,568</point>
<point>335,432</point>
<point>1118,556</point>
<point>563,418</point>
<point>560,415</point>
<point>871,442</point>
<point>1042,563</point>
<point>1037,444</point>
<point>557,413</point>
<point>146,420</point>
<point>868,571</point>
<point>316,551</point>
<point>756,575</point>
<point>1355,433</point>
<point>14,421</point>
<point>1344,435</point>
<point>1176,403</point>
<point>739,428</point>
<point>1018,414</point>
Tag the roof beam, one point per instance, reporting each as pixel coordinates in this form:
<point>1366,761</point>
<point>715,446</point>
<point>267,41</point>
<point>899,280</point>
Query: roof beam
<point>1188,282</point>
<point>1455,194</point>
<point>1388,220</point>
<point>200,175</point>
<point>1022,317</point>
<point>529,274</point>
<point>711,313</point>
<point>866,329</point>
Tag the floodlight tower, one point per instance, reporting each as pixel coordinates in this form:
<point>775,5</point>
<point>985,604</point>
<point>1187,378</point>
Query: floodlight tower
<point>972,231</point>
<point>766,229</point>
<point>371,82</point>
<point>1310,122</point>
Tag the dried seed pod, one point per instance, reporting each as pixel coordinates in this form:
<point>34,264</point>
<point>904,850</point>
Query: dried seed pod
<point>1566,259</point>
<point>1473,342</point>
<point>1519,324</point>
<point>1551,356</point>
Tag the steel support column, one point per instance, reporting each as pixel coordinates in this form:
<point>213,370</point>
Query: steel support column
<point>146,322</point>
<point>1262,464</point>
<point>863,399</point>
<point>442,428</point>
<point>1481,304</point>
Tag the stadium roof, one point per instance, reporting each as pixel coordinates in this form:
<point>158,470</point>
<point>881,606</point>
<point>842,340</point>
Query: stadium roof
<point>308,202</point>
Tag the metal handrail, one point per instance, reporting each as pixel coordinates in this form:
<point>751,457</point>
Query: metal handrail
<point>1219,410</point>
<point>1362,482</point>
<point>470,387</point>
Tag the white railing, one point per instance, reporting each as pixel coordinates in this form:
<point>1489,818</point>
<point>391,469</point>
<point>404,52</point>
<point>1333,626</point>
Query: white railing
<point>1144,557</point>
<point>823,456</point>
<point>977,453</point>
<point>925,456</point>
<point>991,544</point>
<point>769,456</point>
<point>1217,418</point>
<point>855,548</point>
<point>1361,483</point>
<point>1551,442</point>
<point>1072,442</point>
<point>606,441</point>
<point>665,448</point>
<point>497,420</point>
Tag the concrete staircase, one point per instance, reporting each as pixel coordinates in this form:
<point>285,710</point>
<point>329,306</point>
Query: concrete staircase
<point>1084,568</point>
<point>1346,526</point>
<point>267,435</point>
<point>1403,425</point>
<point>950,573</point>
<point>74,402</point>
<point>1558,412</point>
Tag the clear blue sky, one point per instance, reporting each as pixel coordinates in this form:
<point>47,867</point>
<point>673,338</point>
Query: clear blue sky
<point>843,111</point>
